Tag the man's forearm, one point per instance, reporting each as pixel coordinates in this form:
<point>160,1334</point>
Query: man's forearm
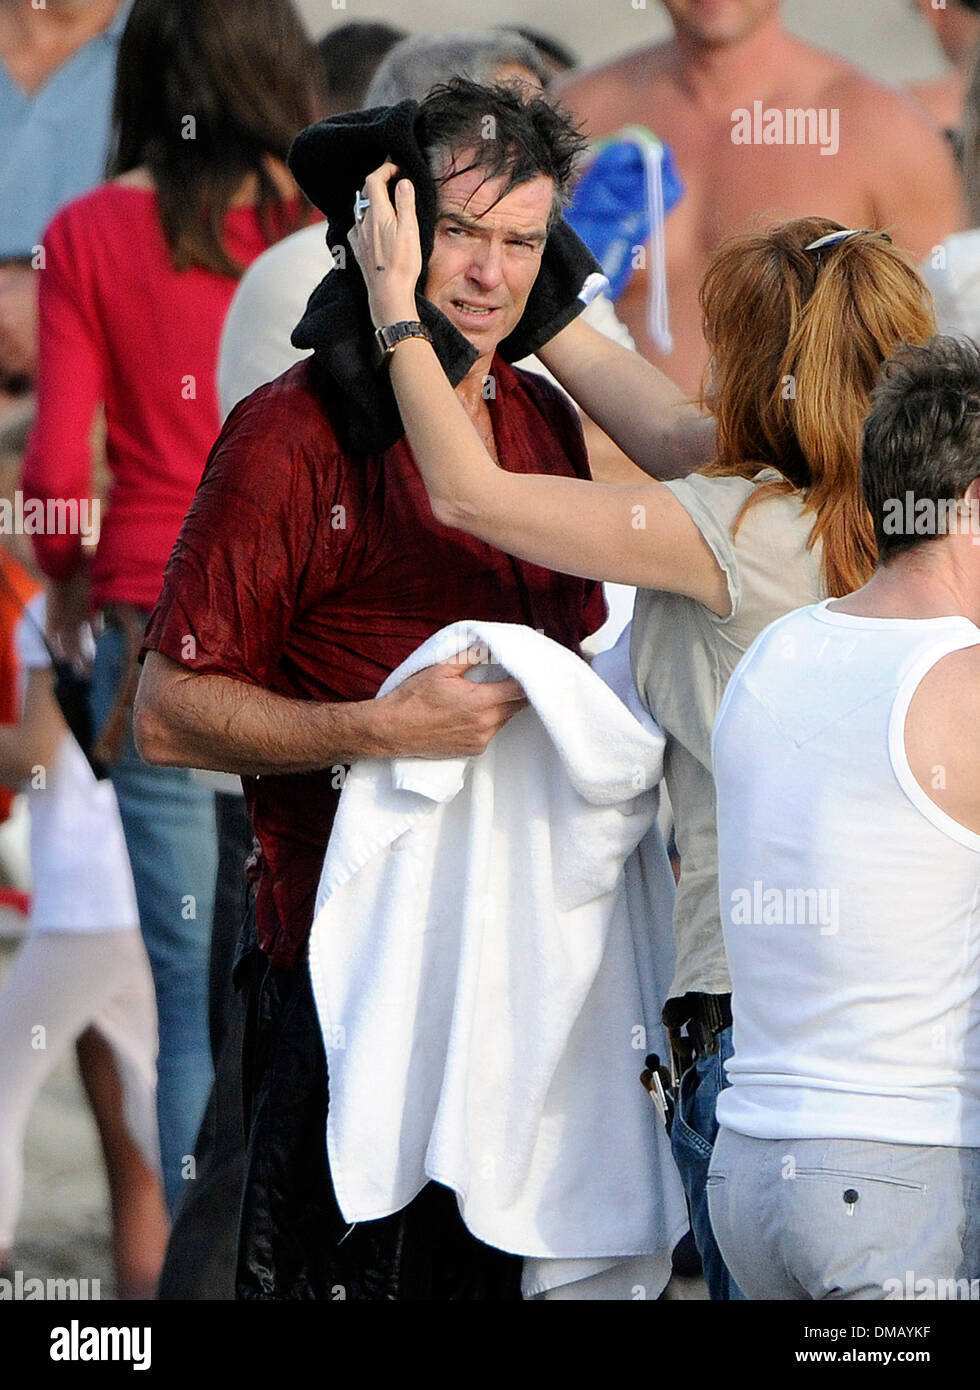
<point>224,725</point>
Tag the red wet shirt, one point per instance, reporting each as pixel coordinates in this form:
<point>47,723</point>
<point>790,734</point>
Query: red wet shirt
<point>314,574</point>
<point>120,326</point>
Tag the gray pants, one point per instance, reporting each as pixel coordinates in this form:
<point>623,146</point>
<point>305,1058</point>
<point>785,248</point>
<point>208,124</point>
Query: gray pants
<point>848,1219</point>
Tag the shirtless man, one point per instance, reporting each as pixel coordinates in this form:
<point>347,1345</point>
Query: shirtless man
<point>891,167</point>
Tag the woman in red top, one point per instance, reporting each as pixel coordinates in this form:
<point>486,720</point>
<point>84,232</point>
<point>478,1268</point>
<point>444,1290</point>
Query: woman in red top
<point>137,279</point>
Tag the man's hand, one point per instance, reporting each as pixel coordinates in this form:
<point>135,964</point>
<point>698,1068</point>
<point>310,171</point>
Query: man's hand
<point>18,323</point>
<point>184,719</point>
<point>439,713</point>
<point>67,614</point>
<point>385,242</point>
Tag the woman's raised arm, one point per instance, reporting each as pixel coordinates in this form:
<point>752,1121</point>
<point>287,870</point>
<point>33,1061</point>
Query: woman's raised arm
<point>633,535</point>
<point>650,418</point>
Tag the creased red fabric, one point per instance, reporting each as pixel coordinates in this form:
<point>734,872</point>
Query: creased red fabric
<point>314,575</point>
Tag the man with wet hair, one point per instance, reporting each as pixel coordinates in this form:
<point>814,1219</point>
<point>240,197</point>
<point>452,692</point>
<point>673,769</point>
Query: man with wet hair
<point>309,567</point>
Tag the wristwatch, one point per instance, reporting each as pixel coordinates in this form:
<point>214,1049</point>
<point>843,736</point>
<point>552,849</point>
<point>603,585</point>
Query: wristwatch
<point>387,339</point>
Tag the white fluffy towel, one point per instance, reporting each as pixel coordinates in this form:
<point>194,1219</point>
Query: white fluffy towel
<point>486,996</point>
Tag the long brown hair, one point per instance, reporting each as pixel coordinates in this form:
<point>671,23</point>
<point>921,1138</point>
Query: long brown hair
<point>797,339</point>
<point>206,92</point>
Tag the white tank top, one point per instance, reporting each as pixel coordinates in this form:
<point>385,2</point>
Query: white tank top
<point>850,902</point>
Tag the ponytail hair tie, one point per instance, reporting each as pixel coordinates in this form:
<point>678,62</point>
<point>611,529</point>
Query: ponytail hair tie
<point>824,243</point>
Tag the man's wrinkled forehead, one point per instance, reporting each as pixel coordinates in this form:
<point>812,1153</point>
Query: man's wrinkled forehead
<point>466,187</point>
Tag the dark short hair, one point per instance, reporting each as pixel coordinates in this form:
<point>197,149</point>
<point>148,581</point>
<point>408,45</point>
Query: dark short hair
<point>350,55</point>
<point>528,137</point>
<point>921,441</point>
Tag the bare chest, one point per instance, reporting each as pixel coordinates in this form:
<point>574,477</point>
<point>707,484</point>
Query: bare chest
<point>764,163</point>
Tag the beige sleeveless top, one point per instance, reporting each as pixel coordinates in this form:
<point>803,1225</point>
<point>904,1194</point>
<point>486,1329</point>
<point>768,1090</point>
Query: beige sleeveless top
<point>683,655</point>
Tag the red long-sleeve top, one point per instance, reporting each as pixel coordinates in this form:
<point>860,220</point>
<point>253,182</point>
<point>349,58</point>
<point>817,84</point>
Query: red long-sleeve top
<point>120,327</point>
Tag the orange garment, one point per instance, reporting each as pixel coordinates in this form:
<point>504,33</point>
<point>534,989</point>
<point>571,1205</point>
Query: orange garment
<point>16,588</point>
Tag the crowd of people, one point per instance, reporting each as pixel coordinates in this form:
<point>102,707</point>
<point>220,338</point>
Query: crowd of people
<point>364,909</point>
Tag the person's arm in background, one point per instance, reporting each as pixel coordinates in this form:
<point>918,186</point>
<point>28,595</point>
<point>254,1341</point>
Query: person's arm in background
<point>35,741</point>
<point>914,183</point>
<point>18,322</point>
<point>70,388</point>
<point>641,410</point>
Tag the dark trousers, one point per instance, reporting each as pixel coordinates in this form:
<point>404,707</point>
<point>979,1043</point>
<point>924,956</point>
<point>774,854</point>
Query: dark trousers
<point>201,1253</point>
<point>295,1244</point>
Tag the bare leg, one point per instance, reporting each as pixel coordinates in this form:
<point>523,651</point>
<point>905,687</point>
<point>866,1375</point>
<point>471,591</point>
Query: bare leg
<point>139,1218</point>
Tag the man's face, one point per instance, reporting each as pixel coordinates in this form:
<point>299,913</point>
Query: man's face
<point>486,254</point>
<point>717,23</point>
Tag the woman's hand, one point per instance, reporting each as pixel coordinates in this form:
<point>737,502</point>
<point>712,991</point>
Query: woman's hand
<point>386,245</point>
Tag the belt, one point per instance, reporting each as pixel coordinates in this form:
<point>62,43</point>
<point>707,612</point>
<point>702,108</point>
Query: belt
<point>704,1016</point>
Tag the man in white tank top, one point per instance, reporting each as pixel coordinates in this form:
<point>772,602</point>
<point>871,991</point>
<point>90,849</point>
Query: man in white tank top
<point>847,763</point>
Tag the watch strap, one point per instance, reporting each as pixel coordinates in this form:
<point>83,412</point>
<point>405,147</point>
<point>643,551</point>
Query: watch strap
<point>387,338</point>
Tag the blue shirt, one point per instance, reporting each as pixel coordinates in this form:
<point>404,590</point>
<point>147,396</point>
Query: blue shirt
<point>55,142</point>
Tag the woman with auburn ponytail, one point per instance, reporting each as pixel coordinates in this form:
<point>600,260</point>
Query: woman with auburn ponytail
<point>792,391</point>
<point>799,319</point>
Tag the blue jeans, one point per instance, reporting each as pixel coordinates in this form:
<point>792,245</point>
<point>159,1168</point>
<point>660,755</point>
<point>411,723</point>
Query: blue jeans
<point>169,822</point>
<point>692,1137</point>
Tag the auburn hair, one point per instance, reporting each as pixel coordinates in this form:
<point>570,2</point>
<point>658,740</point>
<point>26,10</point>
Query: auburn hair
<point>797,339</point>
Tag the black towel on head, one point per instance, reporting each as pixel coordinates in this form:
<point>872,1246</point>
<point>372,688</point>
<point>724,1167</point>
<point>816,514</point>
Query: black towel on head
<point>330,161</point>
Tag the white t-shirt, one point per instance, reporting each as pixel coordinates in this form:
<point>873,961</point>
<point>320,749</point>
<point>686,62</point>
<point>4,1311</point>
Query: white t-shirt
<point>952,272</point>
<point>850,901</point>
<point>80,870</point>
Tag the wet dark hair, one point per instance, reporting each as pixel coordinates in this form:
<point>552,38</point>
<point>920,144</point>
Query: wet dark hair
<point>350,56</point>
<point>922,435</point>
<point>514,137</point>
<point>246,75</point>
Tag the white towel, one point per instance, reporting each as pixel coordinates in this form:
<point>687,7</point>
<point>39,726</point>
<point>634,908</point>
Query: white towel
<point>486,1000</point>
